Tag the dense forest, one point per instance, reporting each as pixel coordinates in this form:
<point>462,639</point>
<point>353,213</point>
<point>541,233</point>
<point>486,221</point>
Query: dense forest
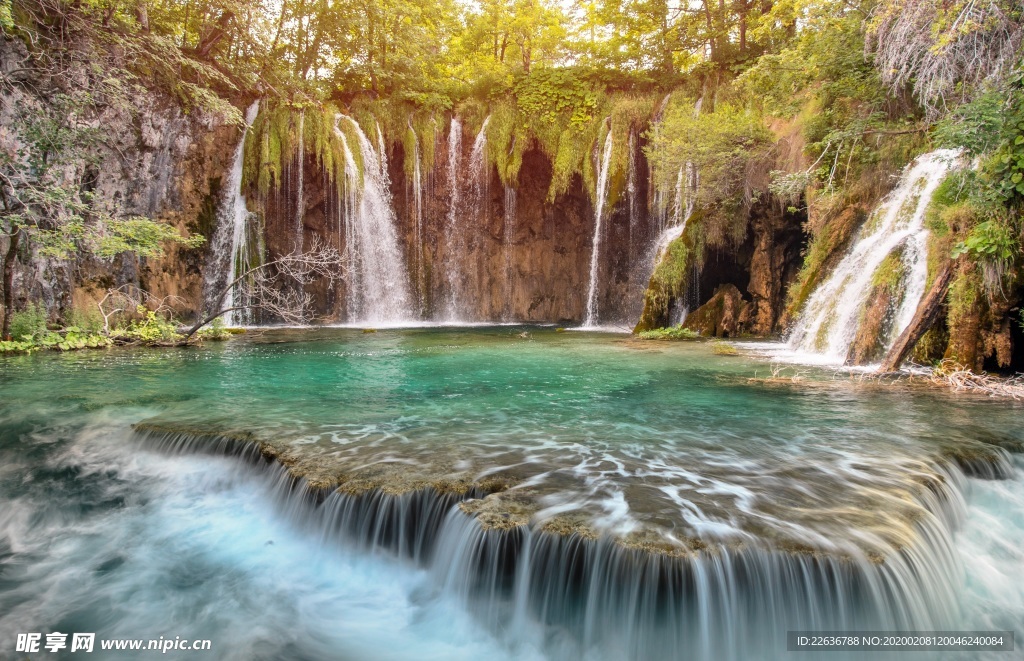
<point>777,125</point>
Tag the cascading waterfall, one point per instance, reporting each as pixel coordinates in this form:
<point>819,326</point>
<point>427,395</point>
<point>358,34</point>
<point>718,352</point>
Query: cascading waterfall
<point>231,250</point>
<point>607,601</point>
<point>661,198</point>
<point>682,208</point>
<point>674,207</point>
<point>601,196</point>
<point>300,202</point>
<point>378,282</point>
<point>631,191</point>
<point>509,235</point>
<point>478,164</point>
<point>829,322</point>
<point>452,235</point>
<point>417,200</point>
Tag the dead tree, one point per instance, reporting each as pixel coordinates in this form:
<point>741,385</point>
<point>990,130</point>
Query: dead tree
<point>128,299</point>
<point>278,286</point>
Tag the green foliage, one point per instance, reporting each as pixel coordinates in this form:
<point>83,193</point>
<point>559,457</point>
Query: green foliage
<point>720,348</point>
<point>151,328</point>
<point>6,20</point>
<point>29,325</point>
<point>141,236</point>
<point>1004,170</point>
<point>990,240</point>
<point>726,147</point>
<point>976,126</point>
<point>670,333</point>
<point>890,273</point>
<point>216,331</point>
<point>89,320</point>
<point>553,94</point>
<point>33,335</point>
<point>672,270</point>
<point>964,295</point>
<point>16,346</point>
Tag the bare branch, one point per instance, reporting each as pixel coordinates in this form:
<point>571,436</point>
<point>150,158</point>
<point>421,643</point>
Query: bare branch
<point>277,287</point>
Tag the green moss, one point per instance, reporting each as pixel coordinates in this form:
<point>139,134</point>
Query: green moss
<point>671,274</point>
<point>724,349</point>
<point>670,333</point>
<point>890,273</point>
<point>964,295</point>
<point>931,347</point>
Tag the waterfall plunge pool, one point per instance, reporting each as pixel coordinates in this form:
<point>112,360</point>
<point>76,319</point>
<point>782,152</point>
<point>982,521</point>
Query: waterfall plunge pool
<point>504,492</point>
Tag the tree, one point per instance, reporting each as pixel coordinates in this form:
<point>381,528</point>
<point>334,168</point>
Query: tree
<point>276,287</point>
<point>946,50</point>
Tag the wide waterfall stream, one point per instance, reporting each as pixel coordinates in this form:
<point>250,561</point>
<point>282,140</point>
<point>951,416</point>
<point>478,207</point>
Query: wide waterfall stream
<point>828,324</point>
<point>505,493</point>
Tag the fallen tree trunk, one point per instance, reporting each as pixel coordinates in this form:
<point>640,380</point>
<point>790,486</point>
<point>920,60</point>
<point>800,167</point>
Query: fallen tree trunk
<point>923,319</point>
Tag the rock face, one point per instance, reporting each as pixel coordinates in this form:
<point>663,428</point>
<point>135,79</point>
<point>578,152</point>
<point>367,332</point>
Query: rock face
<point>981,333</point>
<point>758,270</point>
<point>515,256</point>
<point>156,162</point>
<point>518,256</point>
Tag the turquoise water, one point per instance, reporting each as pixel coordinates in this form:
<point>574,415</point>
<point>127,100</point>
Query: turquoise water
<point>633,443</point>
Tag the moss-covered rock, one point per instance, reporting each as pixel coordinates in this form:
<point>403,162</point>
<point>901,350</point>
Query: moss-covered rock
<point>720,316</point>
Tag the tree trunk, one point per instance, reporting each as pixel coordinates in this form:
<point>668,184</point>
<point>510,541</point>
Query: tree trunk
<point>12,253</point>
<point>923,319</point>
<point>214,35</point>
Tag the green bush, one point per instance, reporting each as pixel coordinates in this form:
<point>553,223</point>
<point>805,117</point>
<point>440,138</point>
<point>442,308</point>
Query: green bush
<point>29,324</point>
<point>215,331</point>
<point>89,320</point>
<point>150,329</point>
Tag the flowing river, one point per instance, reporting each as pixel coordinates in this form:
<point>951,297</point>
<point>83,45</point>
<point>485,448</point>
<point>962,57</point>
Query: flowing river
<point>500,493</point>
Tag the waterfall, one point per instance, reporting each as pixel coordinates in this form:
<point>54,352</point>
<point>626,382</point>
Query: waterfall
<point>417,196</point>
<point>828,324</point>
<point>382,153</point>
<point>609,601</point>
<point>631,190</point>
<point>230,248</point>
<point>674,206</point>
<point>300,204</point>
<point>452,236</point>
<point>478,163</point>
<point>509,241</point>
<point>378,289</point>
<point>601,195</point>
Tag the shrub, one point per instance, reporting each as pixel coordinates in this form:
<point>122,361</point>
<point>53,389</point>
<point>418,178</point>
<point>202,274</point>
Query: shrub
<point>150,329</point>
<point>29,324</point>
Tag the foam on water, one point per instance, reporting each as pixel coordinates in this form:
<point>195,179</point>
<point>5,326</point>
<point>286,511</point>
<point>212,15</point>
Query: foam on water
<point>143,545</point>
<point>759,505</point>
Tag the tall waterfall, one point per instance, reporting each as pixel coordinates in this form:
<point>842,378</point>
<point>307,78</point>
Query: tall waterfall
<point>452,235</point>
<point>378,282</point>
<point>230,248</point>
<point>601,195</point>
<point>631,190</point>
<point>300,203</point>
<point>417,201</point>
<point>508,239</point>
<point>479,170</point>
<point>830,319</point>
